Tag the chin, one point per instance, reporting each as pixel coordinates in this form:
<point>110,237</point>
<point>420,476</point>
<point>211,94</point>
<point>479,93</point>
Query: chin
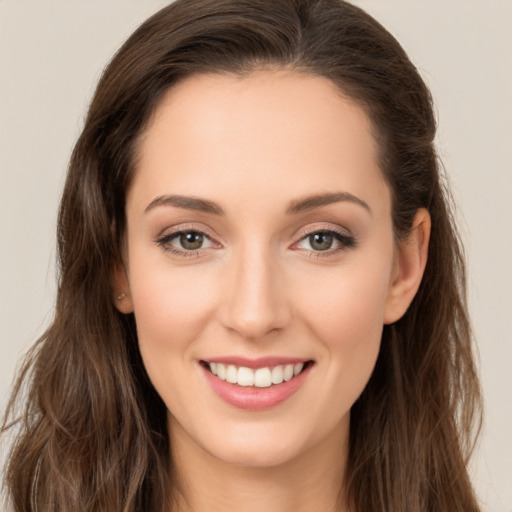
<point>266,444</point>
<point>251,454</point>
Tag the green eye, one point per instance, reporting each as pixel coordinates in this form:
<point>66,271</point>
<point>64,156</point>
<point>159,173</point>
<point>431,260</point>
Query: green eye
<point>326,242</point>
<point>184,242</point>
<point>191,240</point>
<point>321,241</point>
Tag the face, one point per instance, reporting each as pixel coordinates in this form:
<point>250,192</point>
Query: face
<point>259,246</point>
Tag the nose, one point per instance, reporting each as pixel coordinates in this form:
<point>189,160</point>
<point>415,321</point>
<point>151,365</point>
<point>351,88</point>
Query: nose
<point>255,295</point>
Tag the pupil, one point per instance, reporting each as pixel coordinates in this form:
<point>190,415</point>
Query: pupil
<point>321,241</point>
<point>191,240</point>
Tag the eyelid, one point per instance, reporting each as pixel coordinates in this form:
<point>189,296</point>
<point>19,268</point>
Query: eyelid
<point>344,239</point>
<point>308,231</point>
<point>180,228</point>
<point>168,234</point>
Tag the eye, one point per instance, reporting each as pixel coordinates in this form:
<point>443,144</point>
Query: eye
<point>190,242</point>
<point>185,242</point>
<point>326,241</point>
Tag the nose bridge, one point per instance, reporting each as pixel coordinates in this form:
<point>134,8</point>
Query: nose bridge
<point>256,303</point>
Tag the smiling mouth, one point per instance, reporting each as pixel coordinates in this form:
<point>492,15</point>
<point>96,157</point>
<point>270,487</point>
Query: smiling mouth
<point>264,377</point>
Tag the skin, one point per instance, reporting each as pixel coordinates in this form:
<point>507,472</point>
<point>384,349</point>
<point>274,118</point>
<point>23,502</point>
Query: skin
<point>259,286</point>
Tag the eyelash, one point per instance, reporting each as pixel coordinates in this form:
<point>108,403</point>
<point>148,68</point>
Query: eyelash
<point>346,242</point>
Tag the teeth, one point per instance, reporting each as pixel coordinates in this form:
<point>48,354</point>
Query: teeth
<point>288,372</point>
<point>261,378</point>
<point>245,376</point>
<point>297,369</point>
<point>221,371</point>
<point>277,375</point>
<point>231,374</point>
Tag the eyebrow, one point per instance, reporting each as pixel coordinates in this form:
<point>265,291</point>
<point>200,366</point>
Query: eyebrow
<point>296,206</point>
<point>311,202</point>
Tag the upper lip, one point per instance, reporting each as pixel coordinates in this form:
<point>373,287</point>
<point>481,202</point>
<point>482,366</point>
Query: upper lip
<point>260,362</point>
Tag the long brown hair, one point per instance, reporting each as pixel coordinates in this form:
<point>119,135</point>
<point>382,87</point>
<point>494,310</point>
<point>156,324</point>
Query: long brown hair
<point>92,435</point>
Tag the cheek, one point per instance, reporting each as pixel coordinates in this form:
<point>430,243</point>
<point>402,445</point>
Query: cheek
<point>348,319</point>
<point>348,306</point>
<point>172,307</point>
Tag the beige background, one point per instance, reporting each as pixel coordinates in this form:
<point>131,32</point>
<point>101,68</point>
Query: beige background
<point>52,53</point>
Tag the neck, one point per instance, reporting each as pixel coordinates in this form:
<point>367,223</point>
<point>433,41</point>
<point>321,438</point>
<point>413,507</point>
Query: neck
<point>312,480</point>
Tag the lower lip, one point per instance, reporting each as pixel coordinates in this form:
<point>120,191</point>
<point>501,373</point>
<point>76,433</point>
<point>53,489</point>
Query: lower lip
<point>253,398</point>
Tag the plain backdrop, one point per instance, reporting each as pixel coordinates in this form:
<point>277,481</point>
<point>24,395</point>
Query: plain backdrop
<point>51,55</point>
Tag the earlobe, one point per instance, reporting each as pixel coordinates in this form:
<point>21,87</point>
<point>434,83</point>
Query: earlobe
<point>410,262</point>
<point>121,290</point>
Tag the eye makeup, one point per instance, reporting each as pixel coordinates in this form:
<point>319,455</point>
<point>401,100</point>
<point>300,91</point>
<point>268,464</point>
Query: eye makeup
<point>314,237</point>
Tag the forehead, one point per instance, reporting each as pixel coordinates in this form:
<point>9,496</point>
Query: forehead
<point>264,96</point>
<point>269,129</point>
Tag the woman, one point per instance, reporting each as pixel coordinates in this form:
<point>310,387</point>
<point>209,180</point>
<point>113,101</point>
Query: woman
<point>261,301</point>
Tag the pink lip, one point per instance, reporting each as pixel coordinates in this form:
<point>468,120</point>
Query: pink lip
<point>261,362</point>
<point>253,398</point>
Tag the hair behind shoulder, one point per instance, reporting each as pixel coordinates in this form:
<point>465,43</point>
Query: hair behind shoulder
<point>93,434</point>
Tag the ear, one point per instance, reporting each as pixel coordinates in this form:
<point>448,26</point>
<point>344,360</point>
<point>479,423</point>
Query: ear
<point>409,265</point>
<point>121,289</point>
